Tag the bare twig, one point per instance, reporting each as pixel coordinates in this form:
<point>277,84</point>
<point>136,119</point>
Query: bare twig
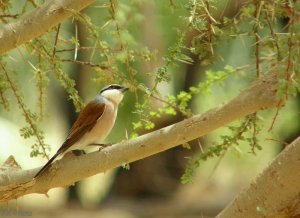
<point>275,116</point>
<point>55,42</point>
<point>257,12</point>
<point>86,63</point>
<point>274,36</point>
<point>15,16</point>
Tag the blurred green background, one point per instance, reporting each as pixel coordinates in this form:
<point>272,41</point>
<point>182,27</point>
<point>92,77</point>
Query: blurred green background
<point>158,47</point>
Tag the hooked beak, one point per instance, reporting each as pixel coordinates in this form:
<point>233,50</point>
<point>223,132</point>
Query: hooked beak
<point>123,90</point>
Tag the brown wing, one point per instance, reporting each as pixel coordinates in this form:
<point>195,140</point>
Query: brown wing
<point>84,123</point>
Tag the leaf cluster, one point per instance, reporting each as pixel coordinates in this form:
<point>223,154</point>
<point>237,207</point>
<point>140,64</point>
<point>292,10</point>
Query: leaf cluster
<point>246,131</point>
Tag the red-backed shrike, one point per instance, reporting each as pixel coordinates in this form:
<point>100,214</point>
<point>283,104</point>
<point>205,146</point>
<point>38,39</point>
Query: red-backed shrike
<point>94,122</point>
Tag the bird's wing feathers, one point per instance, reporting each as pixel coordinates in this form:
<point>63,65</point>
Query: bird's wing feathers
<point>84,123</point>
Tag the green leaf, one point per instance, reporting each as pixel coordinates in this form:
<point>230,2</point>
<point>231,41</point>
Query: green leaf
<point>186,145</point>
<point>169,111</point>
<point>137,125</point>
<point>149,125</point>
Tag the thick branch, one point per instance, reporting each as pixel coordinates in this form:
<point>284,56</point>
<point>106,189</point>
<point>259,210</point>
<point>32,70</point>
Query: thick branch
<point>38,22</point>
<point>275,193</point>
<point>261,95</point>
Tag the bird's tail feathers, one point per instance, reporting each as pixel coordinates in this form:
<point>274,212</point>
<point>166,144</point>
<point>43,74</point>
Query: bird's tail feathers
<point>47,165</point>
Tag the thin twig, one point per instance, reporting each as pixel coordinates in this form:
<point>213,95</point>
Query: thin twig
<point>79,48</point>
<point>275,117</point>
<point>171,4</point>
<point>4,101</point>
<point>217,164</point>
<point>86,63</point>
<point>206,8</point>
<point>25,111</point>
<point>254,142</point>
<point>210,19</point>
<point>15,16</point>
<point>113,16</point>
<point>236,137</point>
<point>277,140</point>
<point>200,145</point>
<point>76,44</point>
<point>257,55</point>
<point>257,37</point>
<point>55,43</point>
<point>274,36</point>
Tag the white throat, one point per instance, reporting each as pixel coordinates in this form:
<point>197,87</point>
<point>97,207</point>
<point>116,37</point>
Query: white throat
<point>113,95</point>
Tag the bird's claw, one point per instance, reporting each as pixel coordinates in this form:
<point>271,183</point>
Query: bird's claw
<point>78,152</point>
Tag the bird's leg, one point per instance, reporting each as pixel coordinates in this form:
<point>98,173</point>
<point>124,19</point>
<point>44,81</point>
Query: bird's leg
<point>78,152</point>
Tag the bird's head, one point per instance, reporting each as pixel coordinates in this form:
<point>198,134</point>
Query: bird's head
<point>113,92</point>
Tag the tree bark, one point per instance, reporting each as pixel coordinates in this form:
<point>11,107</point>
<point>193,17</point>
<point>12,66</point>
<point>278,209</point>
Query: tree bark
<point>64,172</point>
<point>274,193</point>
<point>38,22</point>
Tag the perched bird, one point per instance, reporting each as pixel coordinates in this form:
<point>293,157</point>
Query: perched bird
<point>94,122</point>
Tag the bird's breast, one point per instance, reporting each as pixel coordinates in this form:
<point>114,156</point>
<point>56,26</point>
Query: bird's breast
<point>102,127</point>
<point>104,123</point>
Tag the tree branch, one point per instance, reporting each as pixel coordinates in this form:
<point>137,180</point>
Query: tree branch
<point>38,22</point>
<point>64,172</point>
<point>275,193</point>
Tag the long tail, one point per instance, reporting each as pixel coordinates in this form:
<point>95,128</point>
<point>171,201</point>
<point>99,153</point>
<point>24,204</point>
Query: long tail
<point>47,165</point>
